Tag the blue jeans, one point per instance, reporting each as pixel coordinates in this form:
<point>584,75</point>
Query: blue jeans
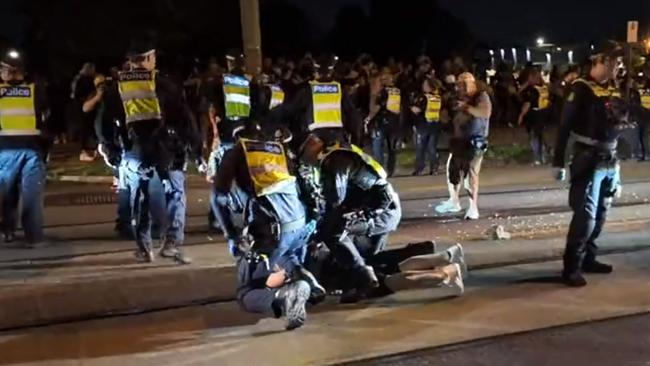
<point>157,205</point>
<point>292,248</point>
<point>537,145</point>
<point>176,208</point>
<point>10,209</point>
<point>426,140</point>
<point>24,169</point>
<point>593,186</point>
<point>382,140</point>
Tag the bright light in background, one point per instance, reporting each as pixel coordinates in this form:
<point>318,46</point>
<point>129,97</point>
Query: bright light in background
<point>548,58</point>
<point>14,54</point>
<point>491,52</point>
<point>514,55</point>
<point>570,54</point>
<point>503,54</point>
<point>527,55</point>
<point>558,49</point>
<point>540,41</point>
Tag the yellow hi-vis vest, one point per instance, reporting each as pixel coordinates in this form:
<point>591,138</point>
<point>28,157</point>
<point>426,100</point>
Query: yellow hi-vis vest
<point>542,101</point>
<point>277,96</point>
<point>432,112</point>
<point>237,92</point>
<point>17,110</point>
<point>599,90</point>
<point>267,165</point>
<point>326,98</point>
<point>138,92</point>
<point>370,162</point>
<point>394,102</point>
<point>645,99</point>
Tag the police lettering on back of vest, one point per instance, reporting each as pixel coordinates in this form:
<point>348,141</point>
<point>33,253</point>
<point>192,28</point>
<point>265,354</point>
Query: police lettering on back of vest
<point>394,102</point>
<point>17,110</point>
<point>267,165</point>
<point>236,90</point>
<point>434,104</point>
<point>277,96</point>
<point>326,98</point>
<point>138,93</point>
<point>543,99</point>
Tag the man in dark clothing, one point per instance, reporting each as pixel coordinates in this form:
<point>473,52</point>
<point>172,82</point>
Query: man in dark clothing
<point>594,116</point>
<point>535,113</point>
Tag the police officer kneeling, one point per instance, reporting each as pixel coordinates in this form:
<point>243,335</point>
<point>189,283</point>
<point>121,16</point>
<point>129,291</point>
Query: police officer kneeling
<point>276,227</point>
<point>23,145</point>
<point>361,208</point>
<point>594,117</point>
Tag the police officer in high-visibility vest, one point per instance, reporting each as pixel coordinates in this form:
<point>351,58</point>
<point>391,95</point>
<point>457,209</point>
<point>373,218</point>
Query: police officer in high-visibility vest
<point>23,145</point>
<point>384,125</point>
<point>535,113</point>
<point>426,108</point>
<point>275,219</point>
<point>319,106</point>
<point>594,117</point>
<point>234,107</point>
<point>147,108</point>
<point>361,208</point>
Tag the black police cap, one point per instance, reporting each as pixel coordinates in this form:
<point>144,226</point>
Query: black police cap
<point>142,44</point>
<point>12,58</point>
<point>607,48</point>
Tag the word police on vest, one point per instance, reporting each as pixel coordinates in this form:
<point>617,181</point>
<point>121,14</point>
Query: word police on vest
<point>16,91</point>
<point>239,81</point>
<point>329,89</point>
<point>134,76</point>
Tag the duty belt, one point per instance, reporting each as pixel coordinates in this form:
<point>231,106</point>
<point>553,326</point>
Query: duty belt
<point>594,143</point>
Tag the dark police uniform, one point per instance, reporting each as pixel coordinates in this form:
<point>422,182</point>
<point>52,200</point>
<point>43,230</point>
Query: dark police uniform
<point>385,126</point>
<point>274,215</point>
<point>144,107</point>
<point>537,118</point>
<point>427,126</point>
<point>591,117</point>
<point>354,182</point>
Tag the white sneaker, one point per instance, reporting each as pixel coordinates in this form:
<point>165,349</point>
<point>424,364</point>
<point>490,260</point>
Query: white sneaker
<point>455,281</point>
<point>472,213</point>
<point>457,256</point>
<point>448,206</point>
<point>85,157</point>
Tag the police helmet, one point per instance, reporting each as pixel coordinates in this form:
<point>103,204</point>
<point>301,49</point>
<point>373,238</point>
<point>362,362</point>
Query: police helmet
<point>13,59</point>
<point>249,130</point>
<point>143,44</point>
<point>606,48</point>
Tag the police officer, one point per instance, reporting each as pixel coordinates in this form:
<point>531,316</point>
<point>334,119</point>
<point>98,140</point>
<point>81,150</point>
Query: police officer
<point>23,146</point>
<point>145,107</point>
<point>384,125</point>
<point>426,110</point>
<point>233,108</point>
<point>361,207</point>
<point>593,116</point>
<point>535,113</point>
<point>275,218</point>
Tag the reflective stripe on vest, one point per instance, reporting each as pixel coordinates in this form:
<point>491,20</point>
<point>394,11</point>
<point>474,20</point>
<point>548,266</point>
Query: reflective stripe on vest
<point>370,162</point>
<point>645,99</point>
<point>138,93</point>
<point>599,90</point>
<point>277,96</point>
<point>434,103</point>
<point>326,98</point>
<point>542,101</point>
<point>236,90</point>
<point>267,165</point>
<point>17,110</point>
<point>394,102</point>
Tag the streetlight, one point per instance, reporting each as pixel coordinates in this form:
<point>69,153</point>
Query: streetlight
<point>540,41</point>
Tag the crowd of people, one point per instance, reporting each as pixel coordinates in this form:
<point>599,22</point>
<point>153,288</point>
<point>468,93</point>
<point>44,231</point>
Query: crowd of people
<point>305,210</point>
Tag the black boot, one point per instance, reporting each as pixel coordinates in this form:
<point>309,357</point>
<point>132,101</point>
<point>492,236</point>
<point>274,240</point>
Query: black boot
<point>574,279</point>
<point>594,266</point>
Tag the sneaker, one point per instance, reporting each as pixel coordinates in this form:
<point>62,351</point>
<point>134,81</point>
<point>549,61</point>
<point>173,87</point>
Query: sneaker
<point>597,267</point>
<point>171,251</point>
<point>145,256</point>
<point>9,236</point>
<point>295,296</point>
<point>574,280</point>
<point>472,213</point>
<point>85,157</point>
<point>537,163</point>
<point>455,279</point>
<point>317,291</point>
<point>457,256</point>
<point>448,206</point>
